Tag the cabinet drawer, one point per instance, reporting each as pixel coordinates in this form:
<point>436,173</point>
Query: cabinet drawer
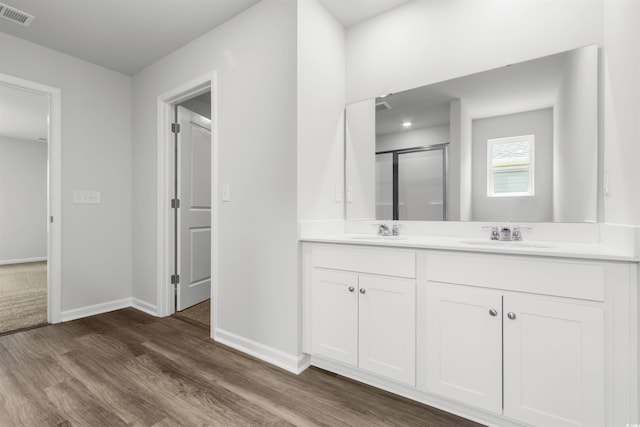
<point>549,277</point>
<point>395,262</point>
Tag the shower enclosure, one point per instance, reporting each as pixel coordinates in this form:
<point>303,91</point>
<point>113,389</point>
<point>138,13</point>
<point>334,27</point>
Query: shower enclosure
<point>411,184</point>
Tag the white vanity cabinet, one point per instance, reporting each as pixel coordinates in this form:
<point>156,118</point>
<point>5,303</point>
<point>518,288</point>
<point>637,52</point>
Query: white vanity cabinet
<point>547,355</point>
<point>361,315</point>
<point>503,339</point>
<point>496,342</point>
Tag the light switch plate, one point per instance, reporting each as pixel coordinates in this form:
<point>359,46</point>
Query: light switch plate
<point>226,193</point>
<point>85,197</point>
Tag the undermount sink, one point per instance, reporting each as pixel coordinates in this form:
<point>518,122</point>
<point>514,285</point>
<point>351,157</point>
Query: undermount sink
<point>379,238</point>
<point>509,244</point>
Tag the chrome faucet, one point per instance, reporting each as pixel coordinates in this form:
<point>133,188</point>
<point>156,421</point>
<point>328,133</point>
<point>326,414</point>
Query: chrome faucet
<point>517,233</point>
<point>383,230</point>
<point>495,234</point>
<point>505,233</point>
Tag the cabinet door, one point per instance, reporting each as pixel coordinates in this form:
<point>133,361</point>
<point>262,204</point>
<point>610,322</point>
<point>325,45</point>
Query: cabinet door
<point>464,345</point>
<point>334,315</point>
<point>387,325</point>
<point>553,362</point>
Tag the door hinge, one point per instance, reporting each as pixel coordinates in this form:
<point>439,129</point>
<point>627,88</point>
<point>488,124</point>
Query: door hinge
<point>175,203</point>
<point>175,127</point>
<point>175,279</point>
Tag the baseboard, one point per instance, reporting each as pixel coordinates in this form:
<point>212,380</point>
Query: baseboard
<point>144,306</point>
<point>444,404</point>
<point>288,362</point>
<point>92,310</point>
<point>23,260</point>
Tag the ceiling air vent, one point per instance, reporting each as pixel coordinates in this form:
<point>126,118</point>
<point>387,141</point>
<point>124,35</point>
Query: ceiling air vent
<point>14,15</point>
<point>382,106</point>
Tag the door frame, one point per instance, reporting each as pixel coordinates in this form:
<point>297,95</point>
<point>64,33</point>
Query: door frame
<point>165,116</point>
<point>54,191</point>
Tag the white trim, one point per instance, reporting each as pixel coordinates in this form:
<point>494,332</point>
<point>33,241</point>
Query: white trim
<point>164,177</point>
<point>92,310</point>
<point>144,306</point>
<point>22,261</point>
<point>452,407</point>
<point>288,362</point>
<point>54,202</point>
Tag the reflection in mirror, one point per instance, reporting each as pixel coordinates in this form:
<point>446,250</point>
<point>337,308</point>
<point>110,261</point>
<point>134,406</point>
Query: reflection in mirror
<point>411,183</point>
<point>482,119</point>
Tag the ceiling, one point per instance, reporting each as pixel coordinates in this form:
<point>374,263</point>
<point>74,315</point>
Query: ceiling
<point>128,35</point>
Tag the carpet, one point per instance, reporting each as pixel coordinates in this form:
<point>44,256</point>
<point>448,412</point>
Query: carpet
<point>23,296</point>
<point>199,313</point>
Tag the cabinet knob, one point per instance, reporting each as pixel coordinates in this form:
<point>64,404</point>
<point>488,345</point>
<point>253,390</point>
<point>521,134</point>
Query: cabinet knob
<point>511,315</point>
<point>363,291</point>
<point>351,289</point>
<point>493,312</point>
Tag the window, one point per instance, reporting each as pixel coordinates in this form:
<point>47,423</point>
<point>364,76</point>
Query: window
<point>510,166</point>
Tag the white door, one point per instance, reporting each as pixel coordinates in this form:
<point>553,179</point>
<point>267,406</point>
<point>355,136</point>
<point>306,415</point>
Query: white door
<point>553,362</point>
<point>387,327</point>
<point>194,193</point>
<point>334,315</point>
<point>464,345</point>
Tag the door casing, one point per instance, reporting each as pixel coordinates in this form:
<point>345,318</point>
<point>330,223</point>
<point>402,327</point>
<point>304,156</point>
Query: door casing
<point>165,115</point>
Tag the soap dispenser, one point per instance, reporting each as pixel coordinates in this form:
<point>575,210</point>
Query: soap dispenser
<point>394,229</point>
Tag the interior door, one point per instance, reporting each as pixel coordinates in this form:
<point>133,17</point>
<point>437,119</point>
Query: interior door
<point>194,213</point>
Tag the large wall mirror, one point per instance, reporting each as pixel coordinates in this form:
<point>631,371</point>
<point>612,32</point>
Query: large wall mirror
<point>517,143</point>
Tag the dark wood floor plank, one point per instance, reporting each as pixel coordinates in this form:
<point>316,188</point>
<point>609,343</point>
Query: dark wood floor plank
<point>78,405</point>
<point>129,368</point>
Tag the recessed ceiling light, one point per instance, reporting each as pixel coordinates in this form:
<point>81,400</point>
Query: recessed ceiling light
<point>406,124</point>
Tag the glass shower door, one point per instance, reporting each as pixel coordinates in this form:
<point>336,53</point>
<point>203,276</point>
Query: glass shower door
<point>421,185</point>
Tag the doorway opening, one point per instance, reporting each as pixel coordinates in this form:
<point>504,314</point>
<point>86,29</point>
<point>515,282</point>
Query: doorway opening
<point>192,208</point>
<point>186,215</point>
<point>30,213</point>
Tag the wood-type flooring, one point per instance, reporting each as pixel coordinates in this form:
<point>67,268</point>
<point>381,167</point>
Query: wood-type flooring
<point>126,368</point>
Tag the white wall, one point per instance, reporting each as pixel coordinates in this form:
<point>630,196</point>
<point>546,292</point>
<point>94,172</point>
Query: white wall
<point>621,57</point>
<point>96,155</point>
<point>537,208</point>
<point>426,41</point>
<point>360,151</point>
<point>413,138</point>
<point>254,56</point>
<point>23,199</point>
<point>321,100</point>
<point>575,161</point>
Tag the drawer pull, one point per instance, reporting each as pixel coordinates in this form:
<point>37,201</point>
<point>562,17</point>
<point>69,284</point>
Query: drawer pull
<point>351,289</point>
<point>493,312</point>
<point>511,315</point>
<point>363,291</point>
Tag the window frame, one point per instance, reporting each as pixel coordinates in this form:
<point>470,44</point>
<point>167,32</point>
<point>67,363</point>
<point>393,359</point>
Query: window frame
<point>530,168</point>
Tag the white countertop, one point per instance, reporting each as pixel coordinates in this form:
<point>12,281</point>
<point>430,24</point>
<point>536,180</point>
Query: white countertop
<point>535,248</point>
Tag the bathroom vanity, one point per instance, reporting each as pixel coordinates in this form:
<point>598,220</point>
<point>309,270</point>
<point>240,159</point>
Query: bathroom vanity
<point>513,334</point>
